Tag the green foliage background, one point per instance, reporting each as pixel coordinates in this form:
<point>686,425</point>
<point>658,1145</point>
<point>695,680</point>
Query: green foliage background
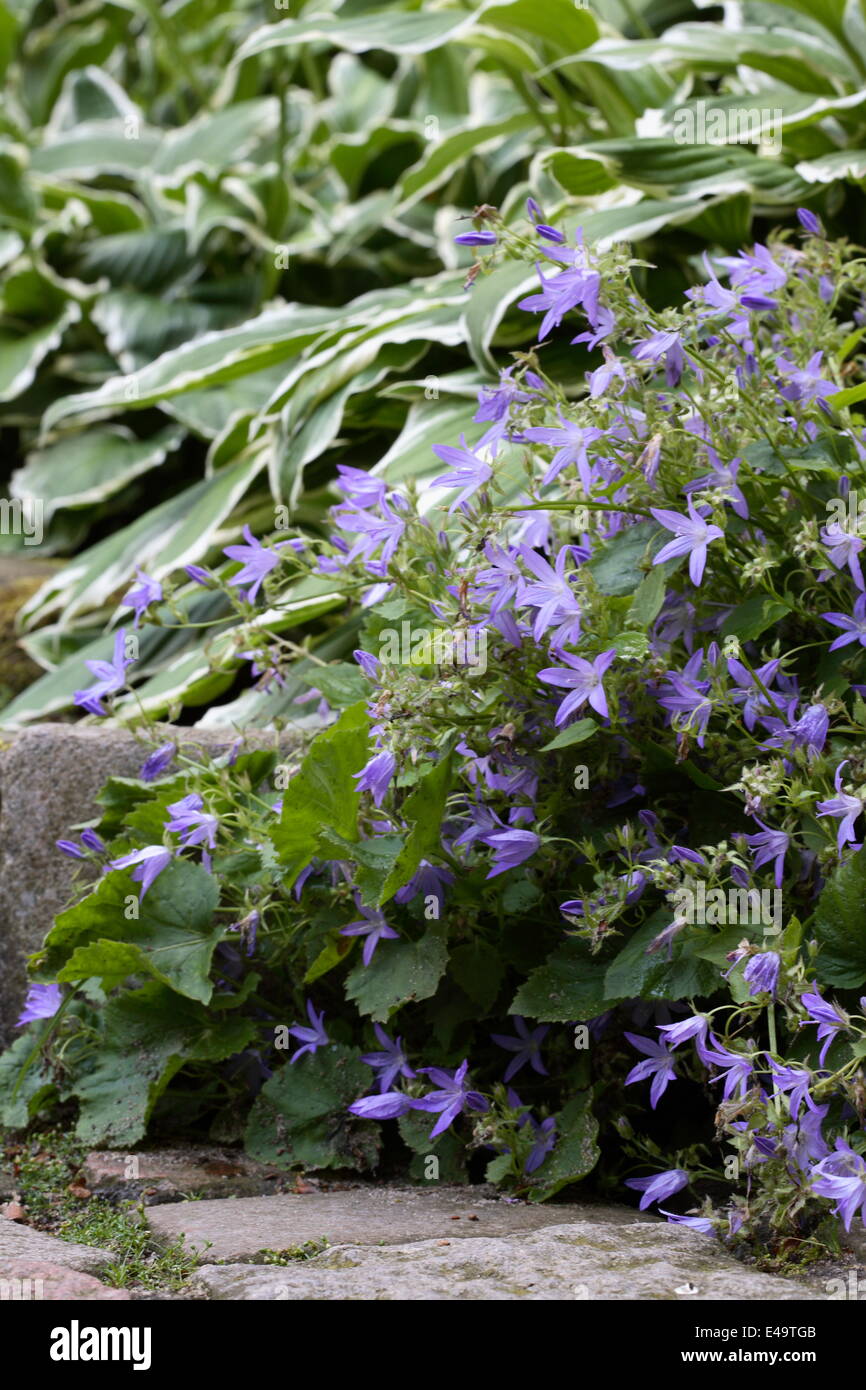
<point>227,259</point>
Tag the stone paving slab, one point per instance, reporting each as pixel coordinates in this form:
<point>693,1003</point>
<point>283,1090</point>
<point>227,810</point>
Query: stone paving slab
<point>239,1229</point>
<point>25,1280</point>
<point>19,1242</point>
<point>579,1261</point>
<point>168,1175</point>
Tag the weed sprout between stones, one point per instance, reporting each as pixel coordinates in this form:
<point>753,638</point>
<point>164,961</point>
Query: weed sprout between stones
<point>664,570</point>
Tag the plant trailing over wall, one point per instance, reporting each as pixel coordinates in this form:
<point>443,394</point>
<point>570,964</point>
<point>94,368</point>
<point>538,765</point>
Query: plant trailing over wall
<point>581,832</point>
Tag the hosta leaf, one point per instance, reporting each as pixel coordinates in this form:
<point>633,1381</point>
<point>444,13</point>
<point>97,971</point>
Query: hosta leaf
<point>82,469</point>
<point>663,165</point>
<point>97,148</point>
<point>450,152</point>
<point>826,168</point>
<point>389,30</point>
<point>785,53</point>
<point>488,304</point>
<point>168,536</point>
<point>21,355</point>
<point>559,23</point>
<point>211,360</point>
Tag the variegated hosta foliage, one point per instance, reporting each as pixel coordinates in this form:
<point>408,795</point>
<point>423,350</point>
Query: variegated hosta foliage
<point>227,257</point>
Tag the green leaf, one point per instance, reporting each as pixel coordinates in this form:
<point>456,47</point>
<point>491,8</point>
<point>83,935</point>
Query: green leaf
<point>575,1153</point>
<point>332,954</point>
<point>750,619</point>
<point>569,986</point>
<point>323,795</point>
<point>374,860</point>
<point>851,396</point>
<point>173,938</point>
<point>635,973</point>
<point>399,972</point>
<point>388,30</point>
<point>22,1097</point>
<point>81,469</point>
<point>21,355</point>
<point>578,732</point>
<point>478,970</point>
<point>424,809</point>
<point>839,925</point>
<point>448,1148</point>
<point>648,599</point>
<point>342,683</point>
<point>621,566</point>
<point>301,1118</point>
<point>148,1035</point>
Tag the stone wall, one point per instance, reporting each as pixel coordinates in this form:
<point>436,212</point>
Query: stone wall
<point>50,775</point>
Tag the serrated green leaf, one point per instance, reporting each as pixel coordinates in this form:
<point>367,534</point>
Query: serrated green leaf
<point>400,972</point>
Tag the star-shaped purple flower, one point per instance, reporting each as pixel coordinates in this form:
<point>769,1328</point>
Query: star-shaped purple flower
<point>373,927</point>
<point>468,471</point>
<point>844,807</point>
<point>453,1098</point>
<point>659,1065</point>
<point>692,536</point>
<point>313,1037</point>
<point>526,1046</point>
<point>149,864</point>
<point>149,591</point>
<point>660,1186</point>
<point>110,677</point>
<point>391,1062</point>
<point>584,679</point>
<point>256,560</point>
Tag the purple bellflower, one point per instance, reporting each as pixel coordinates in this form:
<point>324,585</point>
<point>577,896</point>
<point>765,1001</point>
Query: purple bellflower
<point>110,677</point>
<point>526,1047</point>
<point>583,678</point>
<point>451,1100</point>
<point>42,1001</point>
<point>692,536</point>
<point>149,864</point>
<point>313,1037</point>
<point>660,1186</point>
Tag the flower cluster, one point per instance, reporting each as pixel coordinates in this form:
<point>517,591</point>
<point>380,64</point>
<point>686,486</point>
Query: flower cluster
<point>654,552</point>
